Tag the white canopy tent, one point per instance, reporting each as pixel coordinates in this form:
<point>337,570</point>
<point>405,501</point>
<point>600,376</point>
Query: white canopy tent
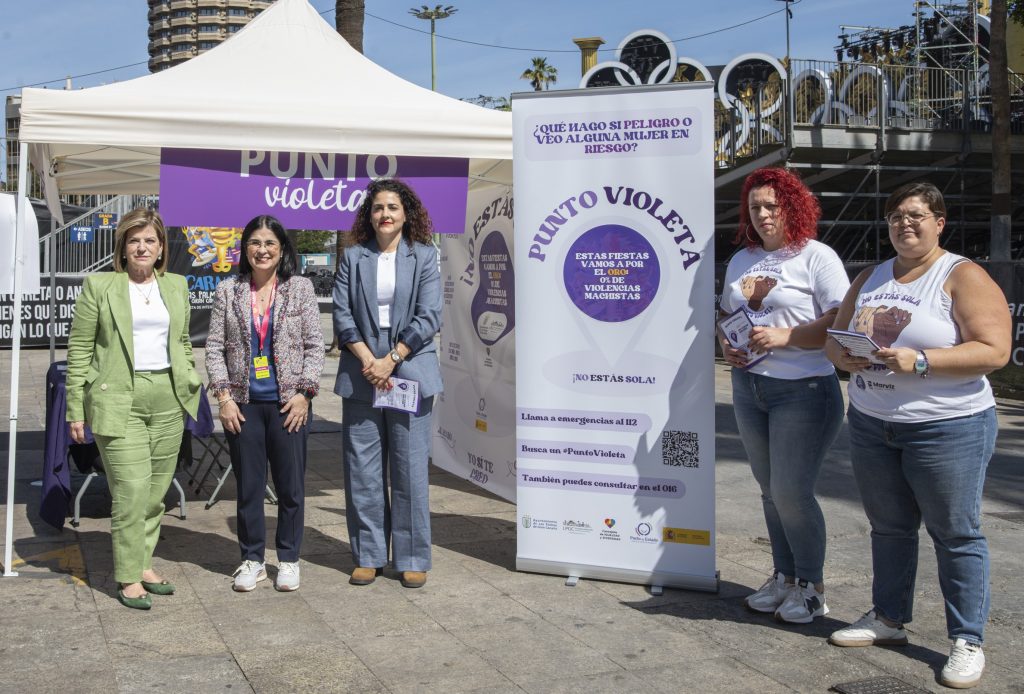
<point>286,82</point>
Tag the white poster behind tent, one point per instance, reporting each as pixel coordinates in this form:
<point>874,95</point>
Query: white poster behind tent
<point>475,417</point>
<point>614,336</point>
<point>28,249</point>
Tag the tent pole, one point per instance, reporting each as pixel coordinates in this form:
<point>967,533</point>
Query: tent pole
<point>21,205</point>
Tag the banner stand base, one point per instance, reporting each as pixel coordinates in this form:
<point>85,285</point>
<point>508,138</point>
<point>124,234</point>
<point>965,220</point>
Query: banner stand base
<point>657,580</point>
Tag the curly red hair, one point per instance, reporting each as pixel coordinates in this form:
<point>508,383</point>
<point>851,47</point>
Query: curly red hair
<point>798,208</point>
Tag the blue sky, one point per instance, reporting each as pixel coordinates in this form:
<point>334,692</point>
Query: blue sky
<point>48,39</point>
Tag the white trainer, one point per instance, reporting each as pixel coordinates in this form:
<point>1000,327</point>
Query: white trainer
<point>769,596</point>
<point>802,604</point>
<point>287,576</point>
<point>869,630</point>
<point>965,665</point>
<point>248,575</point>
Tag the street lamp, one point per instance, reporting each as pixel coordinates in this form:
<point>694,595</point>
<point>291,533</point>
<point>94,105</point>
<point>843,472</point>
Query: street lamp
<point>789,83</point>
<point>433,15</point>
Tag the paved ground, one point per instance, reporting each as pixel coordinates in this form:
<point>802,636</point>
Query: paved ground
<point>478,625</point>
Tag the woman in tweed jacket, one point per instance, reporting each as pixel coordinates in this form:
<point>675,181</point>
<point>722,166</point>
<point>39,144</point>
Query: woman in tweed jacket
<point>264,355</point>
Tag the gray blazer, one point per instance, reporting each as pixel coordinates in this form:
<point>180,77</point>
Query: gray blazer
<point>415,316</point>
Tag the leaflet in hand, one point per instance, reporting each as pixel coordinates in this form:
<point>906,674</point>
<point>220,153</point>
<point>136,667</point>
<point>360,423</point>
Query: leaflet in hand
<point>736,327</point>
<point>857,344</point>
<point>404,395</point>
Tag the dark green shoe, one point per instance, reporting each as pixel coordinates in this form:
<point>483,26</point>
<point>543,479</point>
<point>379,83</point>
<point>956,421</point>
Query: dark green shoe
<point>143,603</point>
<point>161,588</point>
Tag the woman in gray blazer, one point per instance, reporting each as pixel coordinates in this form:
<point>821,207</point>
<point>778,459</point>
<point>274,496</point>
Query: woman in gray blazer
<point>387,309</point>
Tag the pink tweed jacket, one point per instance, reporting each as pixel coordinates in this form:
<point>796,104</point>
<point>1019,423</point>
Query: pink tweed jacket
<point>298,340</point>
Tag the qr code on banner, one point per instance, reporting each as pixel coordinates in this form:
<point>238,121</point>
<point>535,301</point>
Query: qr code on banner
<point>680,448</point>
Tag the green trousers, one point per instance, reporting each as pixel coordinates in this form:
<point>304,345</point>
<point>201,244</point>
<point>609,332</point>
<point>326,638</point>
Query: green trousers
<point>139,468</point>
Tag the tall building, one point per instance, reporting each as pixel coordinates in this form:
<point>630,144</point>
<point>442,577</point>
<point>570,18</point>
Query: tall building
<point>182,29</point>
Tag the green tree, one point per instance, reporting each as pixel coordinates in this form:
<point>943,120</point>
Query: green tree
<point>1015,10</point>
<point>313,241</point>
<point>540,74</point>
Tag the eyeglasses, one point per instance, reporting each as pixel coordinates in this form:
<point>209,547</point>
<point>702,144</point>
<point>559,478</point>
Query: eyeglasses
<point>915,219</point>
<point>256,244</point>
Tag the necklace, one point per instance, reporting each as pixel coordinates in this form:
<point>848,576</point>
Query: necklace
<point>145,297</point>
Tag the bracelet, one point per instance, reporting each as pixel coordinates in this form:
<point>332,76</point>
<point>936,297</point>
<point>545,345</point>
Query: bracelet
<point>221,401</point>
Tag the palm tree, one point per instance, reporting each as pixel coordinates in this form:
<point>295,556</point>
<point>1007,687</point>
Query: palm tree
<point>348,20</point>
<point>540,74</point>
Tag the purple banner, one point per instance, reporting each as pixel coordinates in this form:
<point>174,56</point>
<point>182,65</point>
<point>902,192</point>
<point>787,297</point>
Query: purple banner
<point>304,190</point>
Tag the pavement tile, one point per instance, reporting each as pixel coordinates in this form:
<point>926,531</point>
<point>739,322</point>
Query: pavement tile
<point>74,640</point>
<point>478,625</point>
<point>167,630</point>
<point>309,667</point>
<point>373,611</point>
<point>533,648</point>
<point>702,672</point>
<point>215,672</point>
<point>439,657</point>
<point>285,622</point>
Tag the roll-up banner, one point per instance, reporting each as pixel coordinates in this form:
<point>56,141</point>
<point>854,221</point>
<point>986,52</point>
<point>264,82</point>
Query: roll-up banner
<point>475,416</point>
<point>615,420</point>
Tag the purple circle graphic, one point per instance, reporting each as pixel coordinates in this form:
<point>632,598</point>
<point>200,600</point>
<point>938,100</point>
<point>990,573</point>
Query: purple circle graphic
<point>611,273</point>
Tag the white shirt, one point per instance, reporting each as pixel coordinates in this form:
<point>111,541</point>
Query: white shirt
<point>385,287</point>
<point>150,326</point>
<point>783,289</point>
<point>918,315</point>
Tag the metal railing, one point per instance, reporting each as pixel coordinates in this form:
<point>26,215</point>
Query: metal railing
<point>859,95</point>
<point>61,254</point>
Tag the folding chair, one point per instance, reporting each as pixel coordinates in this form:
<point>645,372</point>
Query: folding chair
<point>97,470</point>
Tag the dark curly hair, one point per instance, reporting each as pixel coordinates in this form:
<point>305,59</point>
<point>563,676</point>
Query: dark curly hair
<point>417,227</point>
<point>798,208</point>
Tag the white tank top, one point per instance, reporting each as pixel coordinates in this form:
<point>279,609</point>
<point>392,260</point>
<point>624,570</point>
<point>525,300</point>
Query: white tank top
<point>918,315</point>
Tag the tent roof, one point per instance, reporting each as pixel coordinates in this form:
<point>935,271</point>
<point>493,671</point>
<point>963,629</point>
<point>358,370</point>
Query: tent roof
<point>286,82</point>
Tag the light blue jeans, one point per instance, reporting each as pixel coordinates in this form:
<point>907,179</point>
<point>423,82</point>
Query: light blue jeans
<point>933,471</point>
<point>787,427</point>
<point>385,448</point>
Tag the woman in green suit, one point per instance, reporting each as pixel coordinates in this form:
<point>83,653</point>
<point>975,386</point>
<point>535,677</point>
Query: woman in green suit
<point>131,377</point>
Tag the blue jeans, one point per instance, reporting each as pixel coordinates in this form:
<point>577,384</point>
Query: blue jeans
<point>933,471</point>
<point>787,427</point>
<point>383,447</point>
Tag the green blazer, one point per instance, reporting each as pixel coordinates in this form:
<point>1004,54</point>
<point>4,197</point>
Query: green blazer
<point>101,354</point>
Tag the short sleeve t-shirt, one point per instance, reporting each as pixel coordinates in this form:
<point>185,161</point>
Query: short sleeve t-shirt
<point>786,288</point>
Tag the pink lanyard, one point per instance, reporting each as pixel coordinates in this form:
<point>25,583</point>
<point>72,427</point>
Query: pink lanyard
<point>262,321</point>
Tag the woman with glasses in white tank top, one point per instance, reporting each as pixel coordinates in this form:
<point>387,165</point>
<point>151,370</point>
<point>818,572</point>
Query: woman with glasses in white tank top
<point>923,425</point>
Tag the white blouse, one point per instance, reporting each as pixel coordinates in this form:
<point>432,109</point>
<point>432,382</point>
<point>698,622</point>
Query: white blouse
<point>385,287</point>
<point>150,327</point>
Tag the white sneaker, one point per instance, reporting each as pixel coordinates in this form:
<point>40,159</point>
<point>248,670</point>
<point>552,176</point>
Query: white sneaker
<point>769,596</point>
<point>802,604</point>
<point>869,630</point>
<point>287,576</point>
<point>965,665</point>
<point>248,575</point>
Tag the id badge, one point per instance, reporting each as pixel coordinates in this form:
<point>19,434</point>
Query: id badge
<point>262,366</point>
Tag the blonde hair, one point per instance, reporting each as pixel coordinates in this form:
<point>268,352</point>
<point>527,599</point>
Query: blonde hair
<point>139,218</point>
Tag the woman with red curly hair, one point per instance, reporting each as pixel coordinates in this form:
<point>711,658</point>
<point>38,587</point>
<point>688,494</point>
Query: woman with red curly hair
<point>786,396</point>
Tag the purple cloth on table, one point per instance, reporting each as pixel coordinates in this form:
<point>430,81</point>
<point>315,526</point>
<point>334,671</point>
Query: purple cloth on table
<point>56,491</point>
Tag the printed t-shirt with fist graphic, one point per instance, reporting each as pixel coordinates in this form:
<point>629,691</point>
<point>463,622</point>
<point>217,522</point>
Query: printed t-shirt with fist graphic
<point>783,289</point>
<point>918,315</point>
